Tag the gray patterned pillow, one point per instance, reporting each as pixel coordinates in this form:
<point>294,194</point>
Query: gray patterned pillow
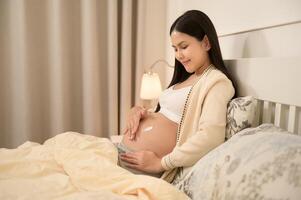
<point>256,163</point>
<point>240,114</point>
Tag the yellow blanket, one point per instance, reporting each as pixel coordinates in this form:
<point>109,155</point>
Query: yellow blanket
<point>74,166</point>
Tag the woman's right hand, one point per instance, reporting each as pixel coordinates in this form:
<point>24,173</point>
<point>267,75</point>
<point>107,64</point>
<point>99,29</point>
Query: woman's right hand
<point>133,119</point>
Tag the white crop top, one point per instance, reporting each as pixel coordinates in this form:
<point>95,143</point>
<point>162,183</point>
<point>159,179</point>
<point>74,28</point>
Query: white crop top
<point>172,102</point>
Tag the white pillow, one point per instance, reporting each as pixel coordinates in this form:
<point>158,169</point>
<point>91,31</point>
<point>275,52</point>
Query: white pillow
<point>240,114</point>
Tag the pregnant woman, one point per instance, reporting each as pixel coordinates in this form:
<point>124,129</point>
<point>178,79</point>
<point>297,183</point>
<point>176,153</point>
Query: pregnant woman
<point>190,118</point>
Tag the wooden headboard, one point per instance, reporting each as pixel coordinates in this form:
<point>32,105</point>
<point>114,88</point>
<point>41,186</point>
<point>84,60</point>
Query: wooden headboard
<point>276,84</point>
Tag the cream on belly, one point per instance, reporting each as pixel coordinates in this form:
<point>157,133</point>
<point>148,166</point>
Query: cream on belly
<point>147,129</point>
<point>155,133</point>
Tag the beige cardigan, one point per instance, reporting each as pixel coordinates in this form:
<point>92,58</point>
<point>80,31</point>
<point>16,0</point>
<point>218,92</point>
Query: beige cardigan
<point>203,122</point>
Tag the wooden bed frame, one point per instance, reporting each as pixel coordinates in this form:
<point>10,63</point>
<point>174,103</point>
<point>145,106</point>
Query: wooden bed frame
<point>275,83</point>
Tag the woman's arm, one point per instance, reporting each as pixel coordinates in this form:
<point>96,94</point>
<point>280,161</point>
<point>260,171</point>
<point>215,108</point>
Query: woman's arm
<point>133,119</point>
<point>211,129</point>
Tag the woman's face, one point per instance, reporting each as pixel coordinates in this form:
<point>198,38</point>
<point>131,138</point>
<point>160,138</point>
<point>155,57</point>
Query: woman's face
<point>192,53</point>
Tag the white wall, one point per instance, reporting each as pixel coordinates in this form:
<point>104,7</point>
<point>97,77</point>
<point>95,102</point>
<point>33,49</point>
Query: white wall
<point>269,28</point>
<point>232,16</point>
<point>252,31</point>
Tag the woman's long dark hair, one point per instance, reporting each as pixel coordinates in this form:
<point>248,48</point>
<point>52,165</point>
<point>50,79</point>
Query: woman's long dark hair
<point>197,24</point>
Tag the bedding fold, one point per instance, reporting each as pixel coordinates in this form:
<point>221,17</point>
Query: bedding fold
<point>74,166</point>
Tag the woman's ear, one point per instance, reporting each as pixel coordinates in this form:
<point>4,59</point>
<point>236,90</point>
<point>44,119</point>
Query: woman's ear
<point>206,43</point>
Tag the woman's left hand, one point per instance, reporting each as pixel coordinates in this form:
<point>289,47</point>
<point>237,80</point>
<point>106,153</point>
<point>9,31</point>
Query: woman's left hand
<point>146,161</point>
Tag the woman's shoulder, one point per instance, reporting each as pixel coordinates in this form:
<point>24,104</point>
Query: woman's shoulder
<point>214,79</point>
<point>215,73</point>
<point>214,82</point>
<point>214,76</point>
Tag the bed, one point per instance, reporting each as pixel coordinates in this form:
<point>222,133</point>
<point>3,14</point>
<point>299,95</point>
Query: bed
<point>261,158</point>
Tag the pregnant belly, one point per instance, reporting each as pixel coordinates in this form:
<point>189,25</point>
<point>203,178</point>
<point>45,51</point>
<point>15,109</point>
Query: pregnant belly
<point>155,133</point>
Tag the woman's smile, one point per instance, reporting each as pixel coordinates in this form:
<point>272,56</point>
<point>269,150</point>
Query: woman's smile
<point>185,62</point>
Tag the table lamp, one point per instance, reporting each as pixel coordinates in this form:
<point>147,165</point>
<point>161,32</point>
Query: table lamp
<point>151,85</point>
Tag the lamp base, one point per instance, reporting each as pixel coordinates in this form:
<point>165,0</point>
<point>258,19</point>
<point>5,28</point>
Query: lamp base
<point>149,104</point>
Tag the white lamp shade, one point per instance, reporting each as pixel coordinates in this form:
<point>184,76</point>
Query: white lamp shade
<point>150,86</point>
